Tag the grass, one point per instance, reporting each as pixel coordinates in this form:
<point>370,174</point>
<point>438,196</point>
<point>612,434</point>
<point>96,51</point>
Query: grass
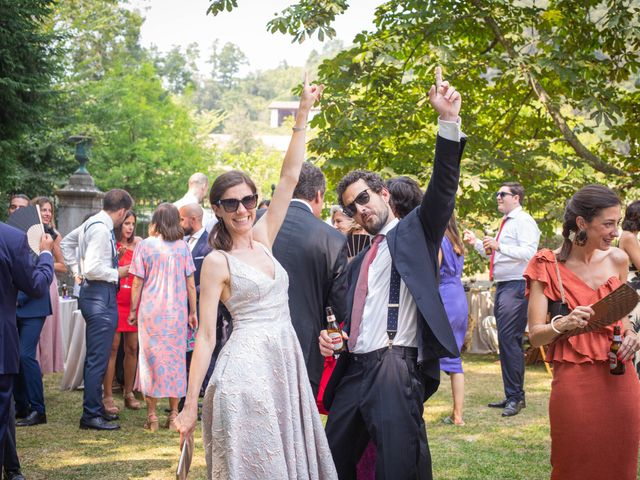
<point>487,447</point>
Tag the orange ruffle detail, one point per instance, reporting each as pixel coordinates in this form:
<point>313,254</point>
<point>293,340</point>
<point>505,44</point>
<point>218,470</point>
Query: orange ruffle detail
<point>586,348</point>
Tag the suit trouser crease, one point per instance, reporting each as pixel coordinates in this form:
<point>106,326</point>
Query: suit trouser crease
<point>380,398</point>
<point>29,390</point>
<point>98,306</point>
<point>511,319</point>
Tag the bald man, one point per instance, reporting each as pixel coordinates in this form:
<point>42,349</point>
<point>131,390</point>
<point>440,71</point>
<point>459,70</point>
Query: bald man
<point>198,188</point>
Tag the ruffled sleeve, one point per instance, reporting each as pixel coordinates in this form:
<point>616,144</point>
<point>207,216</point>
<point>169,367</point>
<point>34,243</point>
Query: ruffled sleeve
<point>542,269</point>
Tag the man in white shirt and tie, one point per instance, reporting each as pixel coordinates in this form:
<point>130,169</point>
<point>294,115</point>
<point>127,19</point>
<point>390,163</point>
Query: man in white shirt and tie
<point>509,253</point>
<point>97,266</point>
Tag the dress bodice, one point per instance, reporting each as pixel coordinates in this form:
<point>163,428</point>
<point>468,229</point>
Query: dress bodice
<point>255,297</point>
<point>452,264</point>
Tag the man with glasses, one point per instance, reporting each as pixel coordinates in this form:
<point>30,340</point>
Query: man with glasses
<point>509,253</point>
<point>398,328</point>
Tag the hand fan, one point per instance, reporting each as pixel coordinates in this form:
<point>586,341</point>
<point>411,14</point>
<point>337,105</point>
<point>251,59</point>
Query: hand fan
<point>618,304</point>
<point>185,459</point>
<point>28,220</point>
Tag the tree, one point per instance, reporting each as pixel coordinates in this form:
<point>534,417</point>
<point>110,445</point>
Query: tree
<point>226,63</point>
<point>29,65</point>
<point>550,93</point>
<point>178,69</point>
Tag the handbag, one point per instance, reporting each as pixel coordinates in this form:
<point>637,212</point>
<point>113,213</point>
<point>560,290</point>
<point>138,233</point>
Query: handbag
<point>558,307</point>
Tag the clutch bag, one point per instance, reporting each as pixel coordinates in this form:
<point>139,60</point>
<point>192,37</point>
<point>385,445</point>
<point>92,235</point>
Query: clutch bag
<point>616,305</point>
<point>186,455</point>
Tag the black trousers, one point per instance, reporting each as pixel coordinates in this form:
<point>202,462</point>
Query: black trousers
<point>510,310</point>
<point>380,397</point>
<point>98,306</point>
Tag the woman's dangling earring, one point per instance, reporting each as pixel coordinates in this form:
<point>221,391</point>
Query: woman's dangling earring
<point>581,238</point>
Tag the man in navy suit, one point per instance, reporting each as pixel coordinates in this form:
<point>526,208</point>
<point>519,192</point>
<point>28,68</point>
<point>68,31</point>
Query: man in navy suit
<point>18,271</point>
<point>396,321</point>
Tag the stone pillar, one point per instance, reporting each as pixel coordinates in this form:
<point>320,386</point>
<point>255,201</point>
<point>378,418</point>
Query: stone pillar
<point>80,197</point>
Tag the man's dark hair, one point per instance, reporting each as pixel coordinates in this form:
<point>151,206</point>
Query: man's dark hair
<point>373,181</point>
<point>516,189</point>
<point>116,199</point>
<point>19,195</point>
<point>311,182</point>
<point>405,193</point>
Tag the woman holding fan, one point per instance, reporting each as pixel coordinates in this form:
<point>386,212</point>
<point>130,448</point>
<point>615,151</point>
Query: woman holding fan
<point>595,421</point>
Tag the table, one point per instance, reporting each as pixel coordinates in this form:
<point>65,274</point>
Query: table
<point>73,340</point>
<point>49,353</point>
<point>482,328</point>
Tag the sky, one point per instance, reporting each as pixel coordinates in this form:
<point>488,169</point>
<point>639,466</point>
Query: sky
<point>181,22</point>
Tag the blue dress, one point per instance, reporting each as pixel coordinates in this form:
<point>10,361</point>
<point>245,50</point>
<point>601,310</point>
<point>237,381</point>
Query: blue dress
<point>455,301</point>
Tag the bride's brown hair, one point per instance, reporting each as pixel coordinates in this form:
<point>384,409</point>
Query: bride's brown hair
<point>220,238</point>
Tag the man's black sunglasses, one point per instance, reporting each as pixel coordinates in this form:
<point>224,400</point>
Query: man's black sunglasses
<point>231,205</point>
<point>503,194</point>
<point>361,199</point>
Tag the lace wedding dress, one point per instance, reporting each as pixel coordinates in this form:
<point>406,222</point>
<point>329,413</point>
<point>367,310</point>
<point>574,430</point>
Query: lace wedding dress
<point>259,417</point>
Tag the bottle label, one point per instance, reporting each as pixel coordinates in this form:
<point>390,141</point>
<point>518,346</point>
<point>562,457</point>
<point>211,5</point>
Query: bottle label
<point>336,340</point>
<point>331,318</point>
<point>613,361</point>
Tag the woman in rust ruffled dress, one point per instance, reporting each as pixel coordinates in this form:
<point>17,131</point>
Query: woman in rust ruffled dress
<point>594,416</point>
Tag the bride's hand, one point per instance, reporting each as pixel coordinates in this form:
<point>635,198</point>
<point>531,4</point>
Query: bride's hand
<point>186,423</point>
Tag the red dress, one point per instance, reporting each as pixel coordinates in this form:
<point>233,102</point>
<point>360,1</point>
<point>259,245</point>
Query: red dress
<point>594,416</point>
<point>123,299</point>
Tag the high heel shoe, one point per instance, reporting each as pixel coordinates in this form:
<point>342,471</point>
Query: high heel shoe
<point>131,402</point>
<point>171,420</point>
<point>152,423</point>
<point>110,406</point>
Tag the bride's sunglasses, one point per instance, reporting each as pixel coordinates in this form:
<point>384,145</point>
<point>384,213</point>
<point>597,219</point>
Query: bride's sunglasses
<point>231,205</point>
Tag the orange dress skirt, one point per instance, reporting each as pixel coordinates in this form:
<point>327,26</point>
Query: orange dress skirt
<point>594,416</point>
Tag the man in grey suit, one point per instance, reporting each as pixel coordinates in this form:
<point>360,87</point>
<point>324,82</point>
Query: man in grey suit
<point>314,255</point>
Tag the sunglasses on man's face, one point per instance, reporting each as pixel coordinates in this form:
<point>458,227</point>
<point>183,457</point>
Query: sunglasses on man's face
<point>361,199</point>
<point>503,194</point>
<point>231,205</point>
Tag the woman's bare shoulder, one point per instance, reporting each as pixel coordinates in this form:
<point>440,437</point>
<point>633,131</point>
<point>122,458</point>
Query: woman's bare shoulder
<point>618,256</point>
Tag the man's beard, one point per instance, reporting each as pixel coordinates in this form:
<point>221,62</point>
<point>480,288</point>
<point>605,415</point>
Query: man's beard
<point>375,228</point>
<point>188,230</point>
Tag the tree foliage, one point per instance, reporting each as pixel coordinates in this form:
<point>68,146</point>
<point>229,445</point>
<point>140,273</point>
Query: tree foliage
<point>28,69</point>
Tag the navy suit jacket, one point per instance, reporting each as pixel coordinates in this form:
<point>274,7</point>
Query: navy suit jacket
<point>198,253</point>
<point>18,271</point>
<point>414,244</point>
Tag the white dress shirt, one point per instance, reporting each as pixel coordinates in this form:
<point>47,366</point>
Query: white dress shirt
<point>90,253</point>
<point>518,243</point>
<point>193,238</point>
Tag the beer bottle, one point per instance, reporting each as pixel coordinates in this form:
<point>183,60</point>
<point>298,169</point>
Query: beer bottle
<point>616,367</point>
<point>335,333</point>
<point>64,291</point>
<point>489,233</point>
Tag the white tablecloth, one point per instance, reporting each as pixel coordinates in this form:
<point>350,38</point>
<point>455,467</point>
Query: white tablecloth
<point>73,340</point>
<point>50,354</point>
<point>484,334</point>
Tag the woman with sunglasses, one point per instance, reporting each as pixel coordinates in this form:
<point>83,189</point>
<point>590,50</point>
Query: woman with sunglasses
<point>259,414</point>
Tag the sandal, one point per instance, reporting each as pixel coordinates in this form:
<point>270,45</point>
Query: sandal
<point>110,406</point>
<point>171,421</point>
<point>450,421</point>
<point>131,402</point>
<point>151,423</point>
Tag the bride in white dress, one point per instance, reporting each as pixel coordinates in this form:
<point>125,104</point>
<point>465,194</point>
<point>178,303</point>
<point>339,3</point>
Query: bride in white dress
<point>260,418</point>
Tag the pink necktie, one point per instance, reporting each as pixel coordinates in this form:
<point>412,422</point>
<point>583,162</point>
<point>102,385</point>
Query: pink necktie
<point>362,288</point>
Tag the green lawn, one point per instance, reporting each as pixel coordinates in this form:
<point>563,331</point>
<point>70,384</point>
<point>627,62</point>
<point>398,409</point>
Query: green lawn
<point>487,447</point>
